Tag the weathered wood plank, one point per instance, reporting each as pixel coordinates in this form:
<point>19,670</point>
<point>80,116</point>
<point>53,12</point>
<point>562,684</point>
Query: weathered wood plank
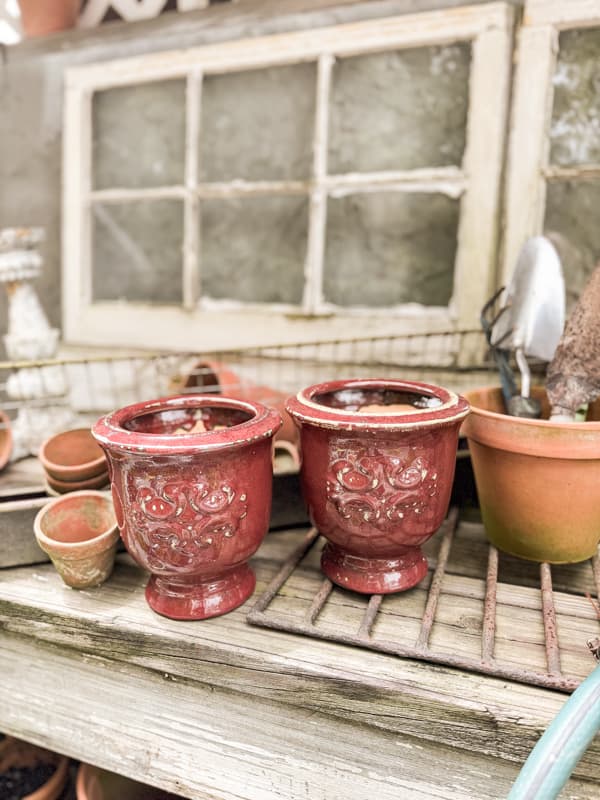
<point>207,743</point>
<point>467,711</point>
<point>17,541</point>
<point>25,477</point>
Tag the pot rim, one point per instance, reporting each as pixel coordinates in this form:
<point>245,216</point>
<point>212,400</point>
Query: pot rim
<point>109,536</point>
<point>109,430</point>
<point>304,409</point>
<point>525,421</point>
<point>65,471</point>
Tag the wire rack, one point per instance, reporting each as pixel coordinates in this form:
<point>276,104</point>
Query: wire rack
<point>478,610</point>
<point>44,397</point>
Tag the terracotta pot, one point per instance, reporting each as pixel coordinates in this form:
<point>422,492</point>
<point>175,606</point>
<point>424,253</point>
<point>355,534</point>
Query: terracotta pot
<point>94,783</point>
<point>377,484</point>
<point>192,507</point>
<point>72,456</point>
<point>79,533</point>
<point>41,17</point>
<point>6,440</point>
<point>62,487</point>
<point>538,481</point>
<point>16,754</point>
<point>214,377</point>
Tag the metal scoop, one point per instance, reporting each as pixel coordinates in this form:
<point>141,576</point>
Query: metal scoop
<point>530,320</point>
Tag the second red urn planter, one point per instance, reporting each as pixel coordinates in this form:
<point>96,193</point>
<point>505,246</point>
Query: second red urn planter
<point>191,481</point>
<point>378,460</point>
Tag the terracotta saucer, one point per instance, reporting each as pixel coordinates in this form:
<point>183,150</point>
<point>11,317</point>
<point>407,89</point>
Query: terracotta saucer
<point>62,487</point>
<point>72,456</point>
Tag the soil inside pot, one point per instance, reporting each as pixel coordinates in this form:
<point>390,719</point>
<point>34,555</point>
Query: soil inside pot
<point>18,782</point>
<point>24,768</point>
<point>377,401</point>
<point>187,420</point>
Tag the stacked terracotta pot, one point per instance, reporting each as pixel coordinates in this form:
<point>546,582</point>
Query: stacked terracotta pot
<point>73,462</point>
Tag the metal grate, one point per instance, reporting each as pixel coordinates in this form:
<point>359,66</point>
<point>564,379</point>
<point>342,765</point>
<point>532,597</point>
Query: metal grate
<point>266,614</point>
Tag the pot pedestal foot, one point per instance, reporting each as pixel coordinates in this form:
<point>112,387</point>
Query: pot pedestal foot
<point>194,598</point>
<point>373,575</point>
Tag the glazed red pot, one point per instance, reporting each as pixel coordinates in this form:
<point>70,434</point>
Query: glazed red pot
<point>192,507</point>
<point>378,459</point>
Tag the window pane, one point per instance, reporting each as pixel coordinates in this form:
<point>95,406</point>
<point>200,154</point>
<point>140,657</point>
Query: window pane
<point>575,129</point>
<point>572,222</point>
<point>137,251</point>
<point>258,125</point>
<point>253,249</point>
<point>384,249</point>
<point>399,110</point>
<point>139,135</point>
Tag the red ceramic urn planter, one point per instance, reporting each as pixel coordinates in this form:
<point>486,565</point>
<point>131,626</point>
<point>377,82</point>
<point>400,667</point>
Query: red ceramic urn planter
<point>191,481</point>
<point>378,460</point>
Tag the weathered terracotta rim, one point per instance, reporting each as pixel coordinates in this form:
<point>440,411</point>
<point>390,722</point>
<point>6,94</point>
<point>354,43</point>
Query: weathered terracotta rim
<point>525,421</point>
<point>304,408</point>
<point>534,437</point>
<point>6,442</point>
<point>110,431</point>
<point>75,549</point>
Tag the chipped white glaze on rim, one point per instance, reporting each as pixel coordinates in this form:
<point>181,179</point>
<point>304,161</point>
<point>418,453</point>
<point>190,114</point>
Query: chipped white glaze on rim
<point>110,430</point>
<point>304,408</point>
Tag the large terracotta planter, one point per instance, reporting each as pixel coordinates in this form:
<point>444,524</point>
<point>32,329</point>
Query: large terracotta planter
<point>192,507</point>
<point>377,484</point>
<point>538,481</point>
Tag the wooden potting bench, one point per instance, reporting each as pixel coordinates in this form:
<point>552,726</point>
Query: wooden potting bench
<point>223,710</point>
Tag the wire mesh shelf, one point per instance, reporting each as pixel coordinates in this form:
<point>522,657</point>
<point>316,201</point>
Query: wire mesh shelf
<point>478,610</point>
<point>52,395</point>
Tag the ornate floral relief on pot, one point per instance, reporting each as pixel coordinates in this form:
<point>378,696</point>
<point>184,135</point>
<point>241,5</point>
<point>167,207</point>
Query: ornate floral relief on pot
<point>181,524</point>
<point>382,488</point>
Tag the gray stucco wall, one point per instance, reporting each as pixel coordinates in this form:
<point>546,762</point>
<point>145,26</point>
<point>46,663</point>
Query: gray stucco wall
<point>31,89</point>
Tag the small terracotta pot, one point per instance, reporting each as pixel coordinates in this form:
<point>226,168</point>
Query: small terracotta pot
<point>6,440</point>
<point>79,533</point>
<point>538,481</point>
<point>192,507</point>
<point>48,16</point>
<point>377,484</point>
<point>20,754</point>
<point>62,487</point>
<point>72,456</point>
<point>94,783</point>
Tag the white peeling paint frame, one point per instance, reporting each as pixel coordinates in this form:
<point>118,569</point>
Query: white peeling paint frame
<point>529,144</point>
<point>211,324</point>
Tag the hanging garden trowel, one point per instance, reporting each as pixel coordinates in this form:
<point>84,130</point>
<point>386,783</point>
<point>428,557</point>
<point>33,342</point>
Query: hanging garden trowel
<point>530,320</point>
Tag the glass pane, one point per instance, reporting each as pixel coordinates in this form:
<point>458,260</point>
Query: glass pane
<point>137,251</point>
<point>385,249</point>
<point>139,135</point>
<point>258,125</point>
<point>399,110</point>
<point>575,128</point>
<point>253,249</point>
<point>572,223</point>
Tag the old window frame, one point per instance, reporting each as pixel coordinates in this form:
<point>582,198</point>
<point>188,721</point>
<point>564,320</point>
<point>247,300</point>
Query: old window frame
<point>477,183</point>
<point>529,169</point>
